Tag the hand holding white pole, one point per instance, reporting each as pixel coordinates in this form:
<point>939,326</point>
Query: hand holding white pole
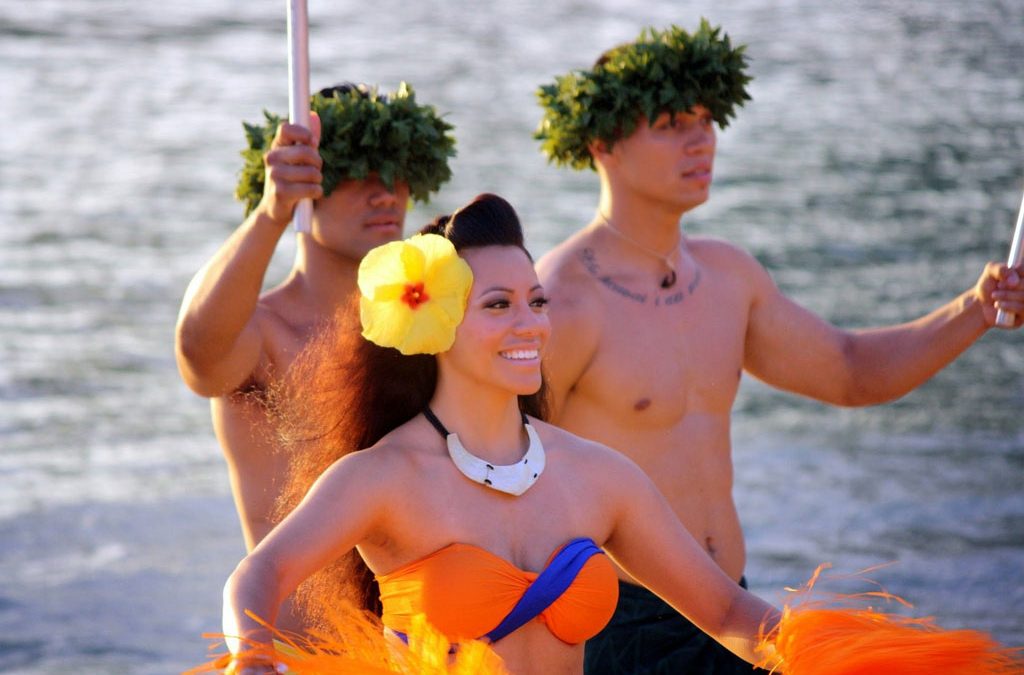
<point>1005,319</point>
<point>298,89</point>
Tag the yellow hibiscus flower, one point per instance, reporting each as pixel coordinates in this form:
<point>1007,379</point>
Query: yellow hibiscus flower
<point>413,294</point>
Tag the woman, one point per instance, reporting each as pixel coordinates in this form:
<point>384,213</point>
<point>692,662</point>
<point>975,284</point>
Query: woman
<point>470,510</point>
<point>458,507</point>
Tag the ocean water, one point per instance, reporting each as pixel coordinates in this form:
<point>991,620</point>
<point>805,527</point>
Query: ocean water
<point>878,167</point>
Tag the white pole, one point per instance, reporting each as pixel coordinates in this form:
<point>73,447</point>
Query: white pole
<point>1005,319</point>
<point>298,89</point>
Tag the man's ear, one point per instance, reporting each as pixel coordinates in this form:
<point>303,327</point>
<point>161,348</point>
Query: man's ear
<point>599,150</point>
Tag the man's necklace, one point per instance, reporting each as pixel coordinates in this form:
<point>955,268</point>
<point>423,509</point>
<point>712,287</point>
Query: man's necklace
<point>669,280</point>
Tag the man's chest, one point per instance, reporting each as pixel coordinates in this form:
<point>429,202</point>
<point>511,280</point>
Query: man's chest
<point>669,357</point>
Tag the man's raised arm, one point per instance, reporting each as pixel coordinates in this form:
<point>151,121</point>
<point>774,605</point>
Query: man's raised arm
<point>791,348</point>
<point>218,342</point>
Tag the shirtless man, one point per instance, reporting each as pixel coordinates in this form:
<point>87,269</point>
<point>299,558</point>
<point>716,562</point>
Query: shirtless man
<point>652,328</point>
<point>232,341</point>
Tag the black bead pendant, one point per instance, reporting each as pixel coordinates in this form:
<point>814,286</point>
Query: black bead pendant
<point>670,279</point>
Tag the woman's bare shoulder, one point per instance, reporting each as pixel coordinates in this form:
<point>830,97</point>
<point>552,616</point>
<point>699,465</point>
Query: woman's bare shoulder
<point>389,459</point>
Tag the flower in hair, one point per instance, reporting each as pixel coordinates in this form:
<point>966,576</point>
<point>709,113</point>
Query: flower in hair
<point>413,294</point>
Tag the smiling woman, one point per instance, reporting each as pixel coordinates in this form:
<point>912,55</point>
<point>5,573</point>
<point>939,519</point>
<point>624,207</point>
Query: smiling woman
<point>344,372</point>
<point>427,465</point>
<point>420,448</point>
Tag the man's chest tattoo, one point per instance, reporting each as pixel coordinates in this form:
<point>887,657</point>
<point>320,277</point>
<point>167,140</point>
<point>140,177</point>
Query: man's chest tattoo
<point>667,299</point>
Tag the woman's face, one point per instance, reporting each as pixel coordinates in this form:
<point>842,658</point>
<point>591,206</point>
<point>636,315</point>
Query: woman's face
<point>500,340</point>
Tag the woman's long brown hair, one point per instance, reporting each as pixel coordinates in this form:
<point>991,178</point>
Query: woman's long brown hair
<point>345,393</point>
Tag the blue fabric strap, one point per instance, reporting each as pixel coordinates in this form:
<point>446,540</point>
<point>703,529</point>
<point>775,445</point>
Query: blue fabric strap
<point>454,649</point>
<point>548,586</point>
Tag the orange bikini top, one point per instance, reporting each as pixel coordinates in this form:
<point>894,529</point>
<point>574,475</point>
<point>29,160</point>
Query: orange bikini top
<point>468,593</point>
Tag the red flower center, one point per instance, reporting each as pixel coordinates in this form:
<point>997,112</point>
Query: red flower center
<point>414,295</point>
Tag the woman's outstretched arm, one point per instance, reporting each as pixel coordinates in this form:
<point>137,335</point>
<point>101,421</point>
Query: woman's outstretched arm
<point>341,508</point>
<point>650,543</point>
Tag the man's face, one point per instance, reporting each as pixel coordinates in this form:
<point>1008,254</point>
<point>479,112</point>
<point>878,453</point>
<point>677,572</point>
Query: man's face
<point>669,160</point>
<point>360,215</point>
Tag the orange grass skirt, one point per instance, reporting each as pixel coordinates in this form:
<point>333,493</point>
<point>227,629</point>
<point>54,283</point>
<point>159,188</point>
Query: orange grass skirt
<point>355,643</point>
<point>821,637</point>
<point>826,636</point>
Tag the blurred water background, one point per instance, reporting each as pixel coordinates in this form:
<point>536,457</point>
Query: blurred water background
<point>878,167</point>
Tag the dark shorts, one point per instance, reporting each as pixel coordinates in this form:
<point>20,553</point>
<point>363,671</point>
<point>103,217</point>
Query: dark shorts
<point>647,637</point>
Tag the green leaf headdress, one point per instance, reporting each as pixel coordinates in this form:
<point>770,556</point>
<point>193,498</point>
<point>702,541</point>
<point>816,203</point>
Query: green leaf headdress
<point>362,132</point>
<point>661,71</point>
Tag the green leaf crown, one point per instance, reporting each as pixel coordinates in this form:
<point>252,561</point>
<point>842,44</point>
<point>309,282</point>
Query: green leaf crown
<point>362,132</point>
<point>661,72</point>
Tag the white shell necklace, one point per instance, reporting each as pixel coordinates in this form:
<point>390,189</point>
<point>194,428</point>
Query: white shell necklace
<point>513,479</point>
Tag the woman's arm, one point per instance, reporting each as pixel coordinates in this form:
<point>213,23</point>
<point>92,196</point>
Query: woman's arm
<point>340,510</point>
<point>650,543</point>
